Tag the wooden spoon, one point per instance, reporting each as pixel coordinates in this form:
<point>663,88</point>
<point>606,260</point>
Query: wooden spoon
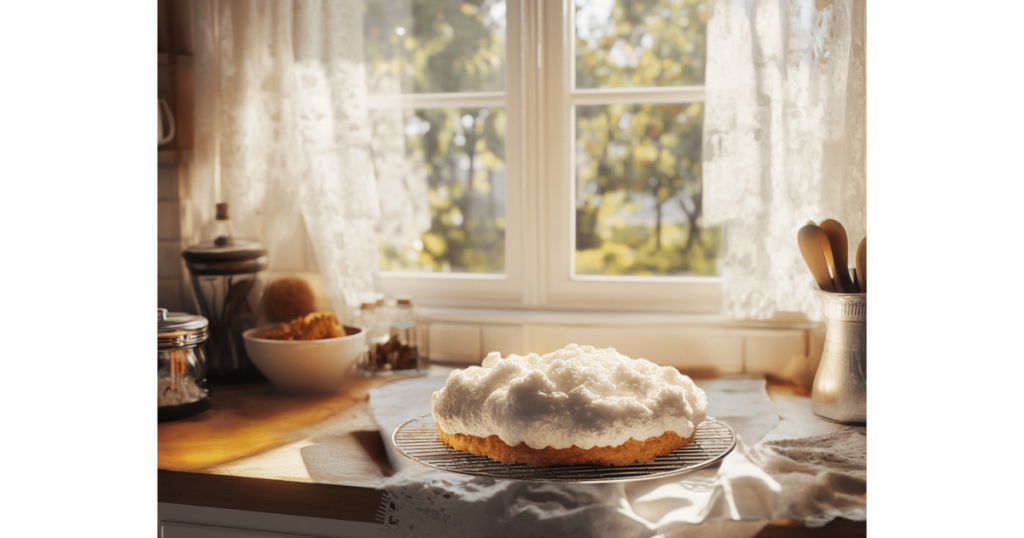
<point>813,247</point>
<point>862,265</point>
<point>840,250</point>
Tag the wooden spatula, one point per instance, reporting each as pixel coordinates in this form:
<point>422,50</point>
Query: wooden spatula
<point>862,265</point>
<point>813,247</point>
<point>840,250</point>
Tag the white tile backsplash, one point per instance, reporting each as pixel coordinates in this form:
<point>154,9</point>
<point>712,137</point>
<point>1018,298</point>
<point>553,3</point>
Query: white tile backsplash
<point>505,339</point>
<point>453,342</point>
<point>726,351</point>
<point>682,347</point>
<point>186,214</point>
<point>769,351</point>
<point>174,227</point>
<point>167,183</point>
<point>169,294</point>
<point>168,219</point>
<point>168,259</point>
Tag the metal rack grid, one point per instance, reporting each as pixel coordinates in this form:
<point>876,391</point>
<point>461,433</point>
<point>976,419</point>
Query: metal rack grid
<point>417,439</point>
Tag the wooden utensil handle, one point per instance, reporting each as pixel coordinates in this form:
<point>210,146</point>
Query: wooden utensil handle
<point>812,243</point>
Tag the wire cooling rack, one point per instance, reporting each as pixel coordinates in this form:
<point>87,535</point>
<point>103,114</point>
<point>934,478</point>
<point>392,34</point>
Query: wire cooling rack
<point>417,439</point>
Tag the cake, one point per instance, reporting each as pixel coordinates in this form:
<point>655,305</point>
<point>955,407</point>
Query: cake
<point>573,406</point>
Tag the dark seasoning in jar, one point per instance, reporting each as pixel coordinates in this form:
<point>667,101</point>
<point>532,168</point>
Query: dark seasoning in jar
<point>393,343</point>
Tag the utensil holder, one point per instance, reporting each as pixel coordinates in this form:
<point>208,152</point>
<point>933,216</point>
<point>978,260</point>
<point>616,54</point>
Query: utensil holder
<point>839,393</point>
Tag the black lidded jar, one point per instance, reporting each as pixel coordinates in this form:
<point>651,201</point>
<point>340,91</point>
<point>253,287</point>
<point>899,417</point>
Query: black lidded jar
<point>227,284</point>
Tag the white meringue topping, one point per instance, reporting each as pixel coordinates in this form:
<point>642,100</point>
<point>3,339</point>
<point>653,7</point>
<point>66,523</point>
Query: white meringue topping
<point>578,396</point>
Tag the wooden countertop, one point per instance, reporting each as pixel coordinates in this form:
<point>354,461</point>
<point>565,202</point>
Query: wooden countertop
<point>246,453</point>
<point>250,452</point>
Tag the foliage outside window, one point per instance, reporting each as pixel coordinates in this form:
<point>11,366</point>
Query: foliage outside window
<point>638,165</point>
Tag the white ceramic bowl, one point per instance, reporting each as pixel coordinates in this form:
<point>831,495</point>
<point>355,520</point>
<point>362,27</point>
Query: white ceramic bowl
<point>305,367</point>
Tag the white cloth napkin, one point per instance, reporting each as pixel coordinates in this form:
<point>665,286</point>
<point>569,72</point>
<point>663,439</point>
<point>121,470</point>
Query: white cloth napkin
<point>789,474</point>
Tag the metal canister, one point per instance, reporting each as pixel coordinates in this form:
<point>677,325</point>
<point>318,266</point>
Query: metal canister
<point>181,365</point>
<point>227,285</point>
<point>839,393</point>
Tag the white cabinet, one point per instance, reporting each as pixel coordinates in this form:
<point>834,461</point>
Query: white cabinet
<point>182,521</point>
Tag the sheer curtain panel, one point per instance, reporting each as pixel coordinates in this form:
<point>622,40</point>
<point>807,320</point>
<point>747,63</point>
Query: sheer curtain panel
<point>282,134</point>
<point>784,142</point>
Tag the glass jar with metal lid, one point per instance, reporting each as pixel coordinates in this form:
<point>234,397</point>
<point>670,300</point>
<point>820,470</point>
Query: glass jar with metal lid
<point>227,285</point>
<point>181,365</point>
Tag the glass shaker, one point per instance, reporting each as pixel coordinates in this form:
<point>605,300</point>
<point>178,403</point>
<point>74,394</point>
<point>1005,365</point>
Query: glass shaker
<point>400,353</point>
<point>227,285</point>
<point>366,317</point>
<point>181,365</point>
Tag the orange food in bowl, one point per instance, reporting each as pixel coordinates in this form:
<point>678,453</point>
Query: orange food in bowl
<point>305,366</point>
<point>315,326</point>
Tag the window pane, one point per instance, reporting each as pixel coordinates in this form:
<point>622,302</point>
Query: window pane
<point>459,154</point>
<point>623,43</point>
<point>638,191</point>
<point>434,46</point>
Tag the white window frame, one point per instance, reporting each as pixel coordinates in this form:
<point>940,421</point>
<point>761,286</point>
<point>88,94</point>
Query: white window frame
<point>539,145</point>
<point>476,289</point>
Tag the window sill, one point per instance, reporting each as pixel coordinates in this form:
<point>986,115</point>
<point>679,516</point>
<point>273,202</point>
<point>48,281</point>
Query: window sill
<point>603,319</point>
<point>709,343</point>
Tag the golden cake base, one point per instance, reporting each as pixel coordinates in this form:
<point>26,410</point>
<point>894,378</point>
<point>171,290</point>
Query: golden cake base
<point>629,452</point>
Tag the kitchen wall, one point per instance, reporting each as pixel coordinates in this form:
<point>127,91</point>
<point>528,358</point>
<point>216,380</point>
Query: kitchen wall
<point>696,346</point>
<point>174,226</point>
<point>717,346</point>
<point>175,85</point>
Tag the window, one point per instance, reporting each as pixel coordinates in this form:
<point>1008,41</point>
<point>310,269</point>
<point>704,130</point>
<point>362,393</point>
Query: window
<point>560,143</point>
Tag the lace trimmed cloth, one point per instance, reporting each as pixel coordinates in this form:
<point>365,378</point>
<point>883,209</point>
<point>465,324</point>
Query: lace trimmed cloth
<point>788,463</point>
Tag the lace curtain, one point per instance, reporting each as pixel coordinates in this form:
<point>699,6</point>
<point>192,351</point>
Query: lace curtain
<point>282,136</point>
<point>784,142</point>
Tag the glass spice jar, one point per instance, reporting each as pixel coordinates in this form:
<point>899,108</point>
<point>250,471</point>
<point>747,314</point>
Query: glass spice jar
<point>181,365</point>
<point>393,342</point>
<point>401,351</point>
<point>366,317</point>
